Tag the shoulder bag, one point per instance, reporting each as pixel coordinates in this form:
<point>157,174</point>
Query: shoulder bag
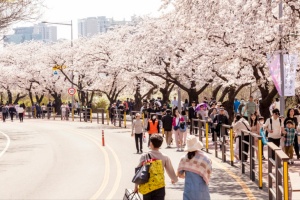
<point>142,173</point>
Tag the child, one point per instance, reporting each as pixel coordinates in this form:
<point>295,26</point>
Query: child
<point>289,135</point>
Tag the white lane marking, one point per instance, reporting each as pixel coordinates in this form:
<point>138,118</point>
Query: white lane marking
<point>7,144</point>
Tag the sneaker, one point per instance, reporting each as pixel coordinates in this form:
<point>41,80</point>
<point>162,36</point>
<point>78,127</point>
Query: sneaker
<point>181,149</point>
<point>177,150</point>
<point>137,152</point>
<point>141,151</point>
<point>236,161</point>
<point>168,147</point>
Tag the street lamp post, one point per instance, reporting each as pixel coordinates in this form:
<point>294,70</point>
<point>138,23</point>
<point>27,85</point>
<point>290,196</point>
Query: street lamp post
<point>72,85</point>
<point>282,100</point>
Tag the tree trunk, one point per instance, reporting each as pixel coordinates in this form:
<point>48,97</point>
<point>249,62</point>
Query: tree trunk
<point>9,95</point>
<point>267,98</point>
<point>18,98</point>
<point>58,102</point>
<point>39,99</point>
<point>193,95</point>
<point>228,105</point>
<point>224,93</point>
<point>216,91</point>
<point>166,91</point>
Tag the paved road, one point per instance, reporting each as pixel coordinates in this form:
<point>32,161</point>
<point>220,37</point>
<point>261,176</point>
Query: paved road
<point>41,159</point>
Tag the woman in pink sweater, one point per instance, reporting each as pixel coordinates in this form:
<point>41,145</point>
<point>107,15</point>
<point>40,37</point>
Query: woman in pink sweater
<point>177,119</point>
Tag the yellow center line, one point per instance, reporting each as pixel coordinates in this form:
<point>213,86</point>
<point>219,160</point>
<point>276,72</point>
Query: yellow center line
<point>119,172</point>
<point>246,189</point>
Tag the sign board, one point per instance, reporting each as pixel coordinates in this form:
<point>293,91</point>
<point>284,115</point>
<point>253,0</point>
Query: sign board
<point>55,72</point>
<point>72,91</point>
<point>58,67</point>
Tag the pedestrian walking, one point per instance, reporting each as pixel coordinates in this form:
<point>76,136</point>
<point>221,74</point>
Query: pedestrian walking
<point>236,105</point>
<point>63,108</point>
<point>167,121</point>
<point>255,128</point>
<point>289,136</point>
<point>238,125</point>
<point>192,115</point>
<point>274,126</point>
<point>220,119</point>
<point>291,117</point>
<point>156,190</point>
<point>12,111</point>
<point>138,132</point>
<point>250,108</point>
<point>152,127</point>
<point>177,120</point>
<point>196,168</point>
<point>4,112</point>
<point>21,113</point>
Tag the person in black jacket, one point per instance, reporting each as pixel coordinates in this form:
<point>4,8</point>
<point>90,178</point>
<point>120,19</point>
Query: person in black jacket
<point>192,115</point>
<point>220,119</point>
<point>12,111</point>
<point>167,125</point>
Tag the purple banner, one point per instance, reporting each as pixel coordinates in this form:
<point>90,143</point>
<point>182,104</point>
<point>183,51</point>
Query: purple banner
<point>274,66</point>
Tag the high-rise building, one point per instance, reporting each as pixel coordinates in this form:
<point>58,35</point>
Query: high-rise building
<point>92,25</point>
<point>37,32</point>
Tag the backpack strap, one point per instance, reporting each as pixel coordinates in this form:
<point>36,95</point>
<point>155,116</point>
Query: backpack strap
<point>246,126</point>
<point>271,123</point>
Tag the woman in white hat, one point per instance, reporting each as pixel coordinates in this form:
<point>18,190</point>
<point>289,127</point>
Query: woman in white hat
<point>195,167</point>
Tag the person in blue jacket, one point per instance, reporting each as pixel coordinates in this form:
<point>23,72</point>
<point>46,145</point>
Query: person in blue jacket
<point>236,105</point>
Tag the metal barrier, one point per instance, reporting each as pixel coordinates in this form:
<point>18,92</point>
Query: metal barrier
<point>204,129</point>
<point>281,188</point>
<point>107,116</point>
<point>224,134</point>
<point>195,127</point>
<point>102,115</point>
<point>251,155</point>
<point>86,112</point>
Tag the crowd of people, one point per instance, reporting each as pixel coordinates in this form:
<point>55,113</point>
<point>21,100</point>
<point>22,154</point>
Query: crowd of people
<point>164,117</point>
<point>279,129</point>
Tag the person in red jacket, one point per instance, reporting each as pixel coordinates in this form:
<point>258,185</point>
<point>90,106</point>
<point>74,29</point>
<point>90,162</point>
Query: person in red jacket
<point>153,127</point>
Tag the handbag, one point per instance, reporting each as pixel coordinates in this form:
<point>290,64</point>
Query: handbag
<point>177,126</point>
<point>144,138</point>
<point>182,127</point>
<point>130,195</point>
<point>263,139</point>
<point>142,174</point>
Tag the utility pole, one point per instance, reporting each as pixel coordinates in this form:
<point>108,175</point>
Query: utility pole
<point>282,100</point>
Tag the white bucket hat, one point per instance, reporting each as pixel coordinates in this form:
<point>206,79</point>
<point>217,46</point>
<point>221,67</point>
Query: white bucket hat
<point>193,144</point>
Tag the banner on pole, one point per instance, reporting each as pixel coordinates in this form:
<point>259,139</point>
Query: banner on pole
<point>274,66</point>
<point>290,65</point>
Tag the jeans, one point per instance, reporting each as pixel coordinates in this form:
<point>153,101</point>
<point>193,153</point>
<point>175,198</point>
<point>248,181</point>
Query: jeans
<point>276,142</point>
<point>139,136</point>
<point>158,194</point>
